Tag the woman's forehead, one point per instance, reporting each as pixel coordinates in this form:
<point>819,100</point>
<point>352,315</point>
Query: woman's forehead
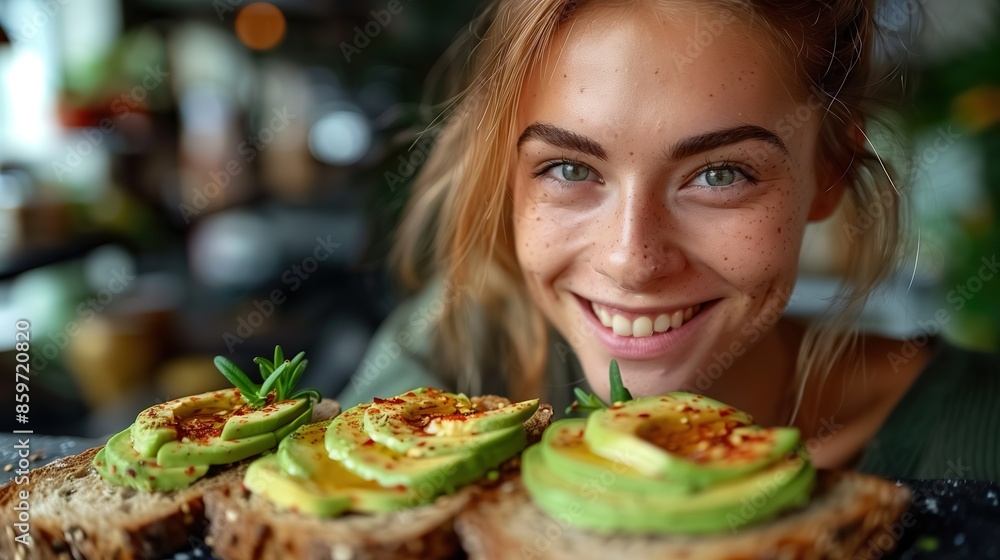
<point>694,68</point>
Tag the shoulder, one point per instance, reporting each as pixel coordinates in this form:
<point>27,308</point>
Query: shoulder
<point>397,356</point>
<point>940,426</point>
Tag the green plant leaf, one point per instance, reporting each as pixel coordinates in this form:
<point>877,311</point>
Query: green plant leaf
<point>279,356</point>
<point>266,367</point>
<point>618,391</point>
<point>248,389</point>
<point>585,402</point>
<point>292,379</point>
<point>310,393</point>
<point>272,379</point>
<point>287,383</point>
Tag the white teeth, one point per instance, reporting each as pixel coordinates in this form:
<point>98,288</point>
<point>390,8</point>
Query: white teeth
<point>676,319</point>
<point>603,315</point>
<point>644,326</point>
<point>621,326</point>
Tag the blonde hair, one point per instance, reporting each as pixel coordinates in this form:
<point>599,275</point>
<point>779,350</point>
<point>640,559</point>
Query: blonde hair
<point>458,222</point>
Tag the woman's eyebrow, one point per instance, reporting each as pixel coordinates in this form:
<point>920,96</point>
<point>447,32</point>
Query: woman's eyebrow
<point>562,138</point>
<point>719,138</point>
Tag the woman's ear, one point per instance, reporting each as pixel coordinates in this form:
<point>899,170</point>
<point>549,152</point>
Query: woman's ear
<point>832,179</point>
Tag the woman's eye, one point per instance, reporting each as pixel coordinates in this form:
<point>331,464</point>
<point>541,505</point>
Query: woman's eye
<point>574,172</point>
<point>569,172</point>
<point>721,176</point>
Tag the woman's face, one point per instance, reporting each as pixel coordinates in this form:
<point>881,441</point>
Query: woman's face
<point>665,173</point>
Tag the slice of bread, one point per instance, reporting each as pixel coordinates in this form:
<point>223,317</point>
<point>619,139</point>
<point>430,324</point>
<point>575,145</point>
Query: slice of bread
<point>76,514</point>
<point>245,526</point>
<point>849,514</point>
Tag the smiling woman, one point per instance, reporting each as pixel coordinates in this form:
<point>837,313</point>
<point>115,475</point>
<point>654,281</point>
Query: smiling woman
<point>600,191</point>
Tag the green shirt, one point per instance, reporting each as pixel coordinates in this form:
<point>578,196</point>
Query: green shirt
<point>946,426</point>
<point>948,423</point>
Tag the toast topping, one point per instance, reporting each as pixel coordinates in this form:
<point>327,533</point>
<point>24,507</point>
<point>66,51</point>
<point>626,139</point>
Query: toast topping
<point>171,445</point>
<point>676,463</point>
<point>390,454</point>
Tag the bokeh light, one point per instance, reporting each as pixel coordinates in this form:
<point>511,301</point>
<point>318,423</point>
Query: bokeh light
<point>260,25</point>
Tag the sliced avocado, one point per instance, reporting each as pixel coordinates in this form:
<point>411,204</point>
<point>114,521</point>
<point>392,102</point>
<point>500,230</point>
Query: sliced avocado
<point>247,421</point>
<point>213,451</point>
<point>264,476</point>
<point>286,430</point>
<point>157,424</point>
<point>107,471</point>
<point>347,443</point>
<point>686,438</point>
<point>760,496</point>
<point>302,457</point>
<point>563,449</point>
<point>432,422</point>
<point>302,452</point>
<point>143,473</point>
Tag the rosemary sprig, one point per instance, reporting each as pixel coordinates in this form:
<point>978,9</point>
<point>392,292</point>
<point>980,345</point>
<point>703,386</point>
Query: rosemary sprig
<point>588,402</point>
<point>279,375</point>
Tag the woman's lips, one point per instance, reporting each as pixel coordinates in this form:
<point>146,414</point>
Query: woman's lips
<point>641,336</point>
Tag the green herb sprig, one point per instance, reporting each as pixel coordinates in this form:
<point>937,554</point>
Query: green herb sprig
<point>588,402</point>
<point>278,375</point>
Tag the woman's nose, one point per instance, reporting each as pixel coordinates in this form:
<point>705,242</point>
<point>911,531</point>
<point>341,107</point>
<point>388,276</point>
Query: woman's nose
<point>640,243</point>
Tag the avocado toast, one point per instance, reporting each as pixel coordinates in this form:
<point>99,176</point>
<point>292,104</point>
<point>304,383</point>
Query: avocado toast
<point>383,480</point>
<point>675,476</point>
<point>141,495</point>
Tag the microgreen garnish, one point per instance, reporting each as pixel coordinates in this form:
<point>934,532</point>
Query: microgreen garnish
<point>281,378</point>
<point>588,402</point>
<point>618,391</point>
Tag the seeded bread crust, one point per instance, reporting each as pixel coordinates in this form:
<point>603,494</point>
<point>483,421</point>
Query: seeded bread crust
<point>76,514</point>
<point>245,526</point>
<point>849,514</point>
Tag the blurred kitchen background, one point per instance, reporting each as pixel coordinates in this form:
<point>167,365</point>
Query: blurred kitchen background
<point>186,178</point>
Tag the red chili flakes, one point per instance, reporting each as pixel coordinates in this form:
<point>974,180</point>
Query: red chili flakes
<point>368,443</point>
<point>201,426</point>
<point>644,415</point>
<point>725,412</point>
<point>131,473</point>
<point>189,471</point>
